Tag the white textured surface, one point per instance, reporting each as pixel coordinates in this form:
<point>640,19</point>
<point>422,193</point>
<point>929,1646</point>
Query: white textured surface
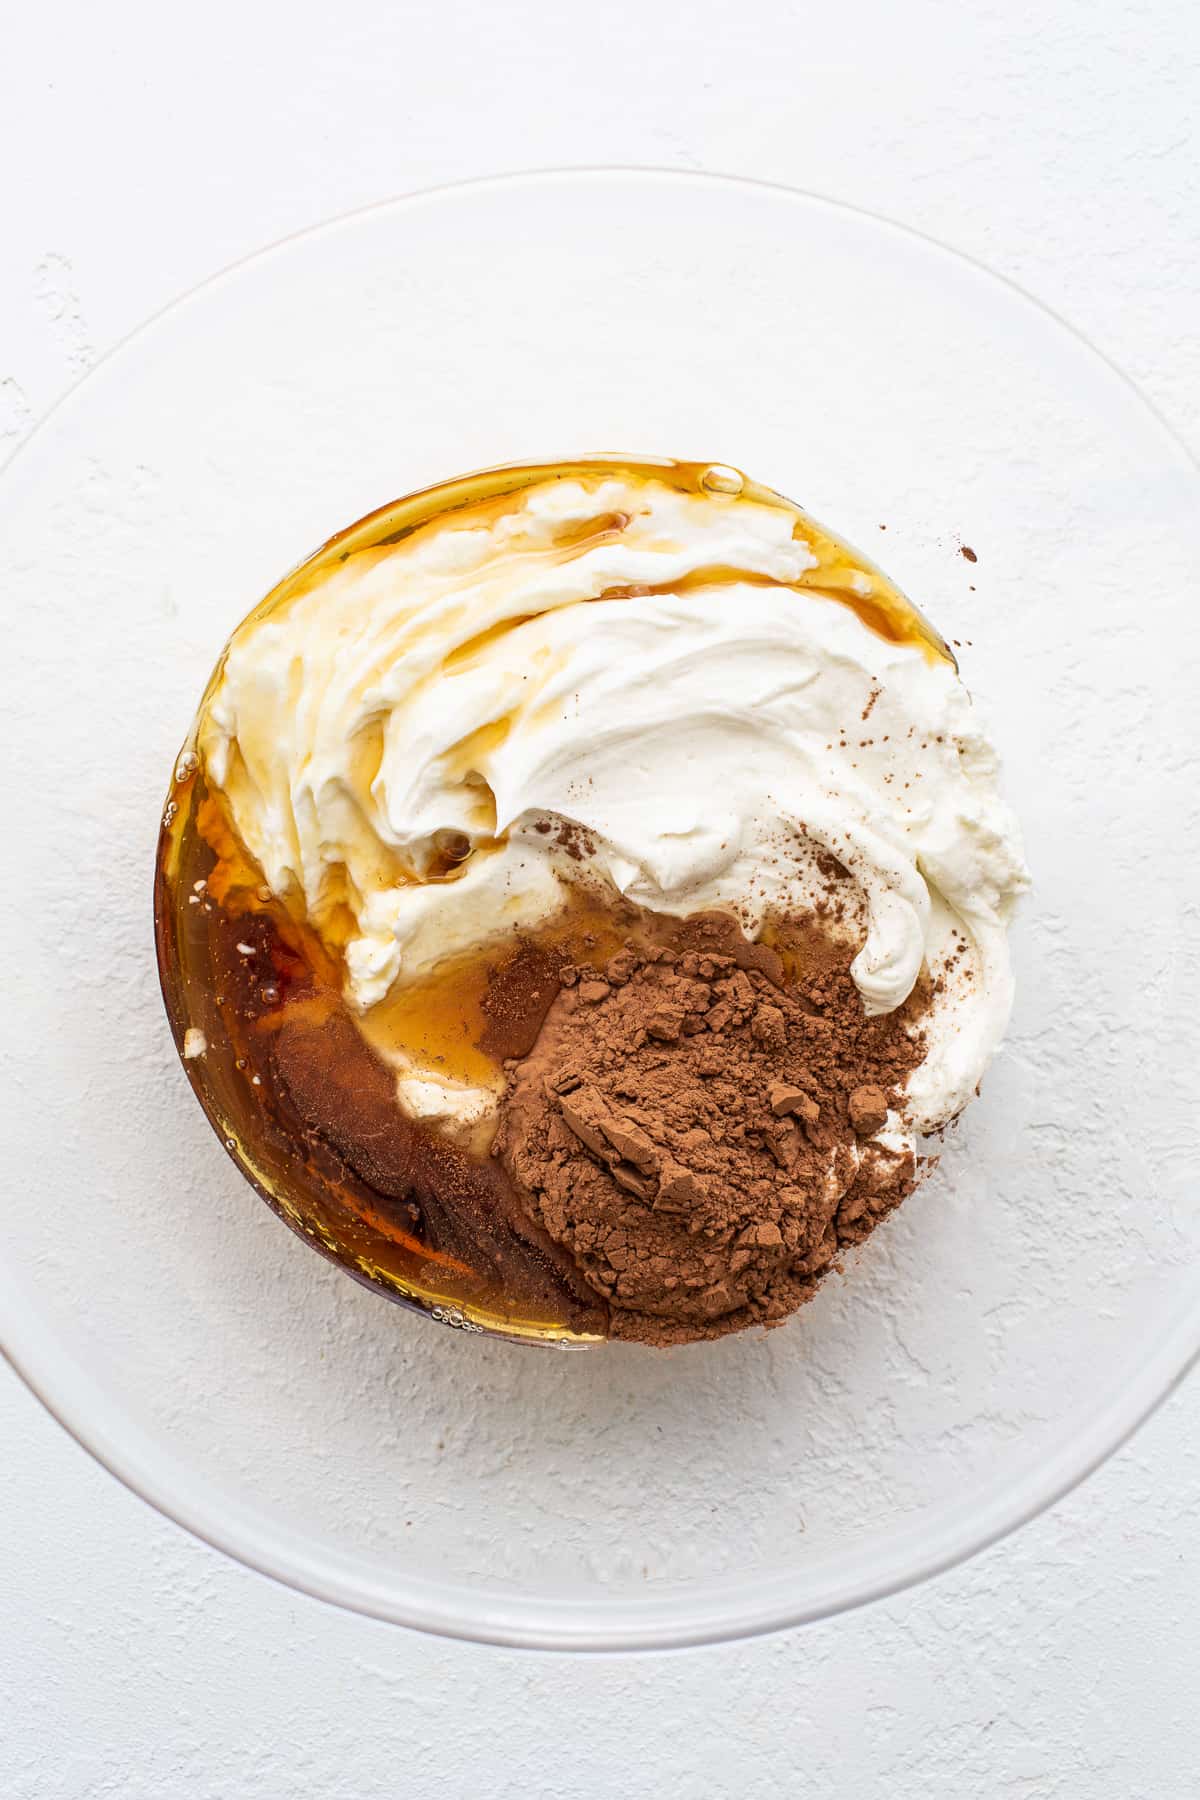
<point>1061,151</point>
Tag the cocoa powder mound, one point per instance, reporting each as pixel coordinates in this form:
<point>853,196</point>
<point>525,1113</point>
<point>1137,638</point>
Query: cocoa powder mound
<point>698,1132</point>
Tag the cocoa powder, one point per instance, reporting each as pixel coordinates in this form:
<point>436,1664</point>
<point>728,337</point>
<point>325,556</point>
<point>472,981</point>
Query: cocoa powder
<point>698,1130</point>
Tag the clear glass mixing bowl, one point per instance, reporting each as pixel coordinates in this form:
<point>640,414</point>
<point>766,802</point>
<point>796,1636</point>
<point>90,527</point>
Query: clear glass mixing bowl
<point>994,1339</point>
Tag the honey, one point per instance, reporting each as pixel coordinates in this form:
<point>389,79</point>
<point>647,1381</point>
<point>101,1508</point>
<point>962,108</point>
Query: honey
<point>281,1048</point>
<point>838,570</point>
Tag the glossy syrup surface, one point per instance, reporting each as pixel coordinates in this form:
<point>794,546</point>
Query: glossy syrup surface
<point>305,1105</point>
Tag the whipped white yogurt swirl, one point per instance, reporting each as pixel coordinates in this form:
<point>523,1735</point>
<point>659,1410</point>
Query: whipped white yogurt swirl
<point>656,667</point>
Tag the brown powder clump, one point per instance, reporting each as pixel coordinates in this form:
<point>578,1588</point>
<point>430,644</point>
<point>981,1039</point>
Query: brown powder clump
<point>697,1130</point>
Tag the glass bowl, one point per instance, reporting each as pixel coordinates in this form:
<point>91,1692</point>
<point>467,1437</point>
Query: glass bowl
<point>231,1002</point>
<point>995,1338</point>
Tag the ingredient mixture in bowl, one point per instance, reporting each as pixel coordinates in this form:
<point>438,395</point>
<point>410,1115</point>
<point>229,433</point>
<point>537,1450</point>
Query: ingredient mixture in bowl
<point>582,888</point>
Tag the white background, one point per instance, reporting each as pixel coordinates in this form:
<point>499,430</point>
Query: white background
<point>145,146</point>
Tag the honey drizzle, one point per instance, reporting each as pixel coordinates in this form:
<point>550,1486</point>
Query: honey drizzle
<point>488,492</point>
<point>335,1212</point>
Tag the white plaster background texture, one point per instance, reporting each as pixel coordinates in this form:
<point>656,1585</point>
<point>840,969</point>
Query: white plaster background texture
<point>1059,145</point>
